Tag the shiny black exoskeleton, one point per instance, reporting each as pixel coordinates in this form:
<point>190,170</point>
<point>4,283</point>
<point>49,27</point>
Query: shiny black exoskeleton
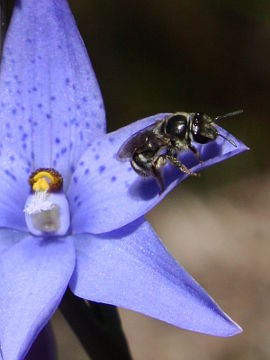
<point>151,148</point>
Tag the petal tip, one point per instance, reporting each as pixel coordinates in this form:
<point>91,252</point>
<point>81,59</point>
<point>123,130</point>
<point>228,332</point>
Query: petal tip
<point>235,329</point>
<point>230,329</point>
<point>243,146</point>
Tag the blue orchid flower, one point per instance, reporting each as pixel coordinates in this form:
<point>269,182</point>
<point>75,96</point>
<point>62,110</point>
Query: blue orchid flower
<point>89,233</point>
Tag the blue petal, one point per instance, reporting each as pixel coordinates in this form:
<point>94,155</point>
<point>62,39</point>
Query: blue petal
<point>50,107</point>
<point>34,276</point>
<point>9,238</point>
<point>131,268</point>
<point>14,189</point>
<point>106,194</point>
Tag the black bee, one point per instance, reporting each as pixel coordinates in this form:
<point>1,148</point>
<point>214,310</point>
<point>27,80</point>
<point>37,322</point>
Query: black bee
<point>154,146</point>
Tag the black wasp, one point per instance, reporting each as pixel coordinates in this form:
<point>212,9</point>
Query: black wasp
<point>154,146</point>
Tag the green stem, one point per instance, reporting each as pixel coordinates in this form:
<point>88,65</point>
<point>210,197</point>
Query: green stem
<point>97,326</point>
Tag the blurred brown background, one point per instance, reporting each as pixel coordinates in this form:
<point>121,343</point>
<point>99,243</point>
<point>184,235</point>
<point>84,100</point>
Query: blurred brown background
<point>200,55</point>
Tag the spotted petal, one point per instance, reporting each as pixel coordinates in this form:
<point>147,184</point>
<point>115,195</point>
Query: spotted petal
<point>50,106</point>
<point>34,275</point>
<point>131,268</point>
<point>14,189</point>
<point>106,194</point>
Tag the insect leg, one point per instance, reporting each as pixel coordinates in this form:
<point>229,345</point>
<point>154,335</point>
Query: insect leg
<point>195,152</point>
<point>174,161</point>
<point>158,163</point>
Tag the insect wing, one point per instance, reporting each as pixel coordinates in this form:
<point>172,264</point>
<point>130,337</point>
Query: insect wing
<point>135,141</point>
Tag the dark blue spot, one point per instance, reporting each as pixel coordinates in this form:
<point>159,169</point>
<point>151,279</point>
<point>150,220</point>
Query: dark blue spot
<point>87,125</point>
<point>78,106</point>
<point>24,136</point>
<point>86,171</point>
<point>113,178</point>
<point>72,168</point>
<point>48,116</point>
<point>8,135</point>
<point>96,157</point>
<point>74,87</point>
<point>8,173</point>
<point>57,140</point>
<point>63,150</point>
<point>12,158</point>
<point>84,99</point>
<point>53,98</point>
<point>65,124</point>
<point>28,40</point>
<point>101,169</point>
<point>81,163</point>
<point>24,146</point>
<point>32,155</point>
<point>76,198</point>
<point>67,81</point>
<point>39,105</point>
<point>79,204</point>
<point>111,140</point>
<point>54,163</point>
<point>71,145</point>
<point>81,135</point>
<point>14,111</point>
<point>34,88</point>
<point>75,179</point>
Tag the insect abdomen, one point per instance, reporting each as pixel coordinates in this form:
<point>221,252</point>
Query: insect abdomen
<point>142,162</point>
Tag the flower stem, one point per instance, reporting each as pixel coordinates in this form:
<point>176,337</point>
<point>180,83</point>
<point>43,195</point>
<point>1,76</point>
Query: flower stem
<point>6,8</point>
<point>97,326</point>
<point>3,24</point>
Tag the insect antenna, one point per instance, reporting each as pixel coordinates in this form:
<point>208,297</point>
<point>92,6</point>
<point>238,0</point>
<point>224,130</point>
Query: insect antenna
<point>229,140</point>
<point>237,112</point>
<point>221,117</point>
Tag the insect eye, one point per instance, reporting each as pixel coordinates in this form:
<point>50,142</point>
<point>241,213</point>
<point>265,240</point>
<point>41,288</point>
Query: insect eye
<point>176,126</point>
<point>198,118</point>
<point>202,130</point>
